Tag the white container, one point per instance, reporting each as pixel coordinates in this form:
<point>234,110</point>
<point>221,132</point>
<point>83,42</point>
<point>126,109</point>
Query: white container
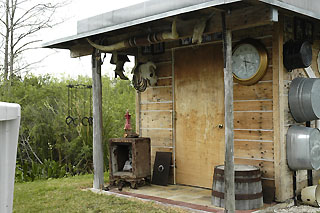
<point>311,195</point>
<point>9,132</point>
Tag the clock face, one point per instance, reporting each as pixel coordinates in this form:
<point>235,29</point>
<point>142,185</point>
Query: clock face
<point>245,61</point>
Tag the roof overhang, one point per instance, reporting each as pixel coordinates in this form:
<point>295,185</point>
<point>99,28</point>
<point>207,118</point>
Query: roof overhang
<point>124,20</point>
<point>130,16</point>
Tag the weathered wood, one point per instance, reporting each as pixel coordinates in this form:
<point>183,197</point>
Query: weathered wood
<point>159,137</point>
<point>164,82</point>
<point>228,119</point>
<point>199,98</point>
<point>254,92</point>
<point>268,75</point>
<point>156,119</point>
<point>253,149</point>
<point>253,120</point>
<point>258,135</point>
<point>97,121</point>
<point>138,110</point>
<point>160,94</point>
<point>80,50</point>
<point>255,32</point>
<point>164,70</point>
<point>158,58</point>
<point>283,180</point>
<point>156,106</point>
<point>238,19</point>
<point>252,105</point>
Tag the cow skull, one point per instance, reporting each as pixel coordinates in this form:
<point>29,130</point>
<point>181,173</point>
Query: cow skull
<point>144,75</point>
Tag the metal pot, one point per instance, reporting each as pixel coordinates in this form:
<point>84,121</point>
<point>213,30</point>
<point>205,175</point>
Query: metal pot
<point>304,99</point>
<point>303,148</point>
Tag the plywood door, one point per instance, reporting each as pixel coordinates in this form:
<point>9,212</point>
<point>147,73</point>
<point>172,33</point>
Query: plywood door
<point>199,106</point>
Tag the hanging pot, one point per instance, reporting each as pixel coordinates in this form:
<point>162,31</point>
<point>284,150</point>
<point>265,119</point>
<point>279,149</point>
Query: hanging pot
<point>303,148</point>
<point>304,99</point>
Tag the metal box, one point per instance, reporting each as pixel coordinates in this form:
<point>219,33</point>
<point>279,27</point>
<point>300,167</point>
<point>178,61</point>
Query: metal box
<point>134,150</point>
<point>303,148</point>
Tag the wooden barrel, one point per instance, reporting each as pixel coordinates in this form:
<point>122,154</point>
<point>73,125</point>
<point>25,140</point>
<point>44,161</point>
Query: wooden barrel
<point>248,188</point>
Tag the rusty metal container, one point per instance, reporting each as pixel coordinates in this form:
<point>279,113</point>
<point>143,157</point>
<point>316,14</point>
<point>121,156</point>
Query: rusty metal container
<point>248,187</point>
<point>130,160</point>
<point>304,99</point>
<point>303,148</point>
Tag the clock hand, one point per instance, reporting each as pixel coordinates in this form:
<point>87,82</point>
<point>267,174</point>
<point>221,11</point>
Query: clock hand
<point>245,64</point>
<point>245,61</point>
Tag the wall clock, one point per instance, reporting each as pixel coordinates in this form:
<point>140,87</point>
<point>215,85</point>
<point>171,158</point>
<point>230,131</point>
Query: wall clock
<point>249,61</point>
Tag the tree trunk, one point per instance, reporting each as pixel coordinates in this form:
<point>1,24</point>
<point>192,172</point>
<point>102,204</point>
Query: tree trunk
<point>13,9</point>
<point>6,48</point>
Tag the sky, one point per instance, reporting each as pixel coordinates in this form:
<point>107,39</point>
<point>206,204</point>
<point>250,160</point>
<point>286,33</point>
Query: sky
<point>58,62</point>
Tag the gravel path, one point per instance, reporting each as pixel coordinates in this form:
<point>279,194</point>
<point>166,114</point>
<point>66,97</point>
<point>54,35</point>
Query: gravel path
<point>289,207</point>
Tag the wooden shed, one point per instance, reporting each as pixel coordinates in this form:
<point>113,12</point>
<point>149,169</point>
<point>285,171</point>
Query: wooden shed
<point>184,113</point>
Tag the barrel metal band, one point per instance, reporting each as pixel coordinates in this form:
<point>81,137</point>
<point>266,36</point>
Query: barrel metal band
<point>238,196</point>
<point>239,180</point>
<point>238,173</point>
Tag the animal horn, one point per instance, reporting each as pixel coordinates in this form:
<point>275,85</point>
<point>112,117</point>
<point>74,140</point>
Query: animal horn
<point>140,41</point>
<point>109,48</point>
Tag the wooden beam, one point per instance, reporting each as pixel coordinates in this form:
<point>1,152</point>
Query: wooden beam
<point>229,197</point>
<point>243,18</point>
<point>283,176</point>
<point>98,160</point>
<point>79,50</point>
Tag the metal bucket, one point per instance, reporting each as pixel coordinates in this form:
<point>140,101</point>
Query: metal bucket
<point>303,148</point>
<point>311,195</point>
<point>248,188</point>
<point>304,99</point>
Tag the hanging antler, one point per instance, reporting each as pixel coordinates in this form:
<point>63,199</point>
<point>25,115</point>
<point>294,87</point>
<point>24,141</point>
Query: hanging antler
<point>140,41</point>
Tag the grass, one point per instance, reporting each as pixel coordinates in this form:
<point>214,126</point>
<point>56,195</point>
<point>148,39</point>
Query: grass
<point>65,195</point>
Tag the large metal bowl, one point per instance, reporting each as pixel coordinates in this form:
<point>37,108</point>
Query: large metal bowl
<point>303,148</point>
<point>304,99</point>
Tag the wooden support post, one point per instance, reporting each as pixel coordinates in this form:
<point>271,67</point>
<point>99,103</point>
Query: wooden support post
<point>97,121</point>
<point>282,173</point>
<point>229,195</point>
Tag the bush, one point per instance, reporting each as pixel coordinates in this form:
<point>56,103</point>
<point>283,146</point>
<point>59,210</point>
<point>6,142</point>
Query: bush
<point>48,147</point>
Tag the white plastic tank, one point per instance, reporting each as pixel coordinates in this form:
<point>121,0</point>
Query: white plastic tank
<point>9,132</point>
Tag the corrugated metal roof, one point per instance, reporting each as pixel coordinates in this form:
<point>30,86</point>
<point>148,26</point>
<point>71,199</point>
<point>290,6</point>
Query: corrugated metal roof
<point>155,9</point>
<point>137,14</point>
<point>305,7</point>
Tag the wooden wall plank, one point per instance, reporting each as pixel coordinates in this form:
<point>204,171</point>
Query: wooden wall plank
<point>156,119</point>
<point>164,82</point>
<point>255,92</point>
<point>156,106</point>
<point>268,75</point>
<point>161,94</point>
<point>159,58</point>
<point>252,106</point>
<point>256,32</point>
<point>158,137</point>
<point>253,135</point>
<point>251,149</point>
<point>253,120</point>
<point>164,70</point>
